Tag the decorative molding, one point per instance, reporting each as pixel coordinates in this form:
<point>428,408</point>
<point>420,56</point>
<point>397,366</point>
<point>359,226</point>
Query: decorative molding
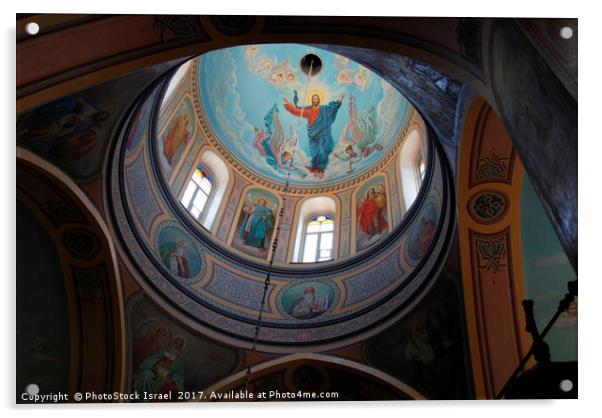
<point>233,25</point>
<point>492,154</point>
<point>491,252</point>
<point>488,206</point>
<point>183,27</point>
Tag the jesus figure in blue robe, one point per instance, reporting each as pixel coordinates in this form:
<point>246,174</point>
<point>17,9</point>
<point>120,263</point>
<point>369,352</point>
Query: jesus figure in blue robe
<point>319,123</point>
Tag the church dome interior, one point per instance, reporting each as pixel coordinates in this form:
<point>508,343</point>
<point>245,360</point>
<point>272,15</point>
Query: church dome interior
<point>226,118</point>
<point>237,204</point>
<point>228,183</point>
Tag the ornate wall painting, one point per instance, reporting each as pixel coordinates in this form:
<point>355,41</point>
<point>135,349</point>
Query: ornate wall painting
<point>67,129</point>
<point>262,103</point>
<point>74,131</point>
<point>139,127</point>
<point>207,305</point>
<point>307,300</point>
<point>166,358</point>
<point>428,349</point>
<point>256,222</point>
<point>372,218</point>
<point>422,234</point>
<point>176,136</point>
<point>178,254</point>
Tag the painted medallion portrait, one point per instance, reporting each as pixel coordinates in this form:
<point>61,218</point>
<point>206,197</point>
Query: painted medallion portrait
<point>178,253</point>
<point>307,300</point>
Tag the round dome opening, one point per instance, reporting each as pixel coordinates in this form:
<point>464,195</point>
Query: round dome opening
<point>279,124</point>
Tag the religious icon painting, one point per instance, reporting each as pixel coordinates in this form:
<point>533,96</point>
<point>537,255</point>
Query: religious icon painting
<point>256,223</point>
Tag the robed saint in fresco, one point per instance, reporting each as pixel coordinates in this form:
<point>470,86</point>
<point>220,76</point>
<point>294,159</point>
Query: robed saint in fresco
<point>257,224</point>
<point>319,122</point>
<point>371,212</point>
<point>162,372</point>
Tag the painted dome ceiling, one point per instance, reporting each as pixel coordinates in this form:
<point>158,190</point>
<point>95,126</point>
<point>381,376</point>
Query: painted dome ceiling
<point>218,126</point>
<point>242,97</point>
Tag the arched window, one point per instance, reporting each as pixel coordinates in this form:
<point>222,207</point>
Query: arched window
<point>318,241</point>
<point>197,193</point>
<point>175,81</point>
<point>421,164</point>
<point>315,239</point>
<point>203,194</point>
<point>412,166</point>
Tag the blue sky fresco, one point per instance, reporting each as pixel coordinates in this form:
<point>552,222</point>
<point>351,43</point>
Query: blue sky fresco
<point>546,270</point>
<point>240,85</point>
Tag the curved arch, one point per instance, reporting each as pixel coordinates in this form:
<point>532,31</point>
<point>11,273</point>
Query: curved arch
<point>237,380</point>
<point>383,34</point>
<point>90,268</point>
<point>488,164</point>
<point>313,206</point>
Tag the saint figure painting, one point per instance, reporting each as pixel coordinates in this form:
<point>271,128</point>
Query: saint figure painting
<point>372,219</point>
<point>256,223</point>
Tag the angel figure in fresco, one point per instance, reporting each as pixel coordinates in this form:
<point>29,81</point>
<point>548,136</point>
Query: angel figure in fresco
<point>163,371</point>
<point>256,62</point>
<point>283,74</point>
<point>359,134</point>
<point>274,146</point>
<point>319,122</point>
<point>279,74</point>
<point>350,75</point>
<point>350,157</point>
<point>257,223</point>
<point>371,212</point>
<point>176,136</point>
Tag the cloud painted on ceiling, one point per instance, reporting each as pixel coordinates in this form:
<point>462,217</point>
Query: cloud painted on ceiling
<point>243,91</point>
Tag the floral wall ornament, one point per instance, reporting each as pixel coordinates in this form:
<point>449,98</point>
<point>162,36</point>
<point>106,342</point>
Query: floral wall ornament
<point>492,166</point>
<point>181,27</point>
<point>488,206</point>
<point>492,252</point>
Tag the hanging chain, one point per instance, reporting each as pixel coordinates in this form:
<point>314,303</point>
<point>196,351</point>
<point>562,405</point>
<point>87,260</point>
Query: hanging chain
<point>268,276</point>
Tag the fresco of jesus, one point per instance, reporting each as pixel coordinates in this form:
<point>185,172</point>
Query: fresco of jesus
<point>319,122</point>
